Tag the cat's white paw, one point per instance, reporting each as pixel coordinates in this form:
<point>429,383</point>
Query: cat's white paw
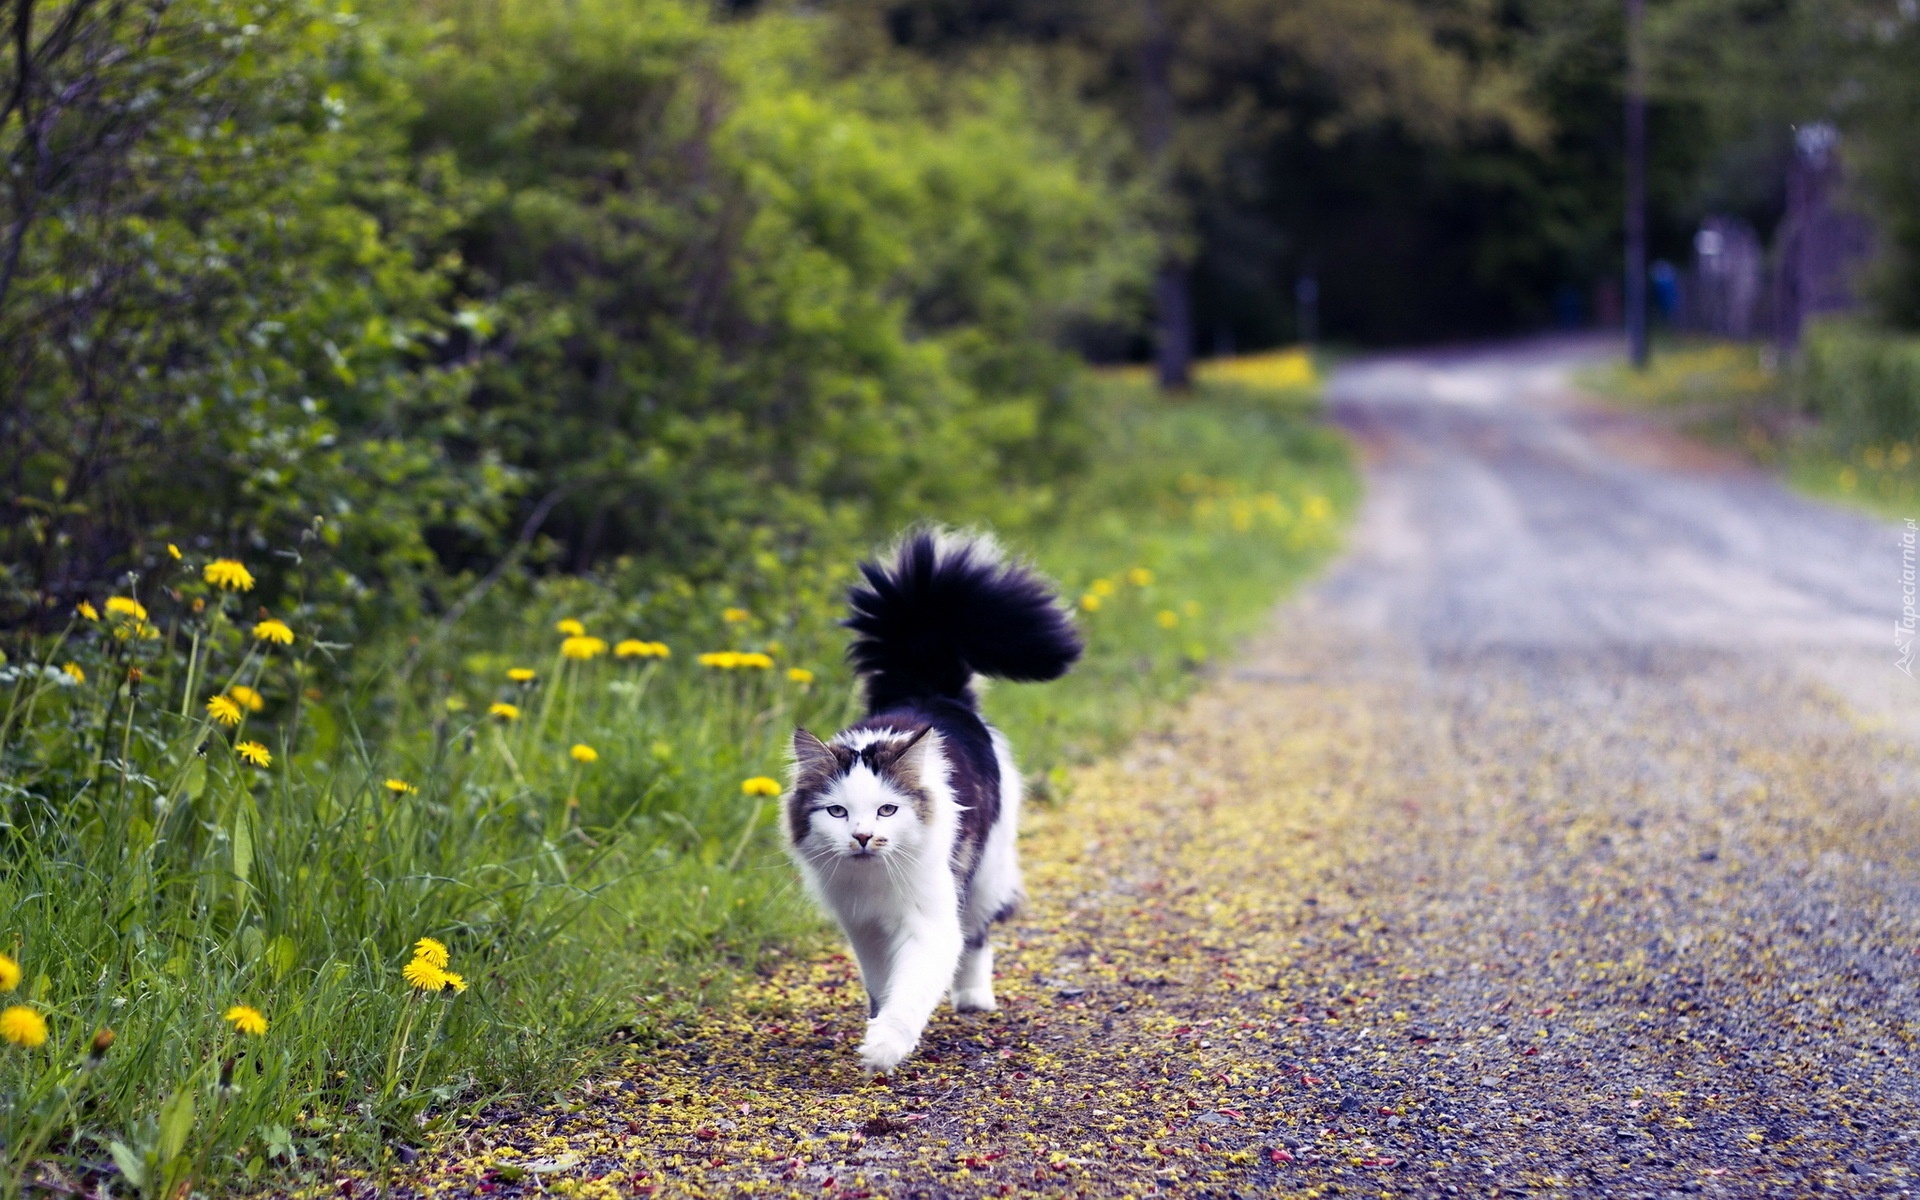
<point>885,1047</point>
<point>974,1000</point>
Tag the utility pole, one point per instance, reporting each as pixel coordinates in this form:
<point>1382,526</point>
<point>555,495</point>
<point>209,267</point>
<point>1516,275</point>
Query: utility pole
<point>1636,187</point>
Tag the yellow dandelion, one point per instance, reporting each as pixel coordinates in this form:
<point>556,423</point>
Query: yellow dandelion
<point>86,609</point>
<point>583,648</point>
<point>126,606</point>
<point>661,650</point>
<point>23,1027</point>
<point>570,627</point>
<point>223,710</point>
<point>799,674</point>
<point>583,753</point>
<point>255,753</point>
<point>401,787</point>
<point>246,1019</point>
<point>72,671</point>
<point>761,785</point>
<point>1167,618</point>
<point>521,674</point>
<point>450,979</point>
<point>735,616</point>
<point>273,630</point>
<point>1090,602</point>
<point>228,575</point>
<point>506,712</point>
<point>433,950</point>
<point>1101,587</point>
<point>173,552</point>
<point>723,660</point>
<point>9,974</point>
<point>633,648</point>
<point>1140,577</point>
<point>757,661</point>
<point>424,975</point>
<point>247,698</point>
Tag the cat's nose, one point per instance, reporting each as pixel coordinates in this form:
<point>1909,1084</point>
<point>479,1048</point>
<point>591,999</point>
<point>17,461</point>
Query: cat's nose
<point>863,838</point>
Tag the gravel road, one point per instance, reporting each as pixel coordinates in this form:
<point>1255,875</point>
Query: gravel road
<point>1562,841</point>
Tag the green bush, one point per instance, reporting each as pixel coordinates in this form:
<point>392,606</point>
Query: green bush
<point>1863,385</point>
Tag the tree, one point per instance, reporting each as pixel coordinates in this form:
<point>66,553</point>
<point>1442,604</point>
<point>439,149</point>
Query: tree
<point>1203,82</point>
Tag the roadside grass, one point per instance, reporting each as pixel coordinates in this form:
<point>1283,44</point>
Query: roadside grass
<point>198,813</point>
<point>1732,394</point>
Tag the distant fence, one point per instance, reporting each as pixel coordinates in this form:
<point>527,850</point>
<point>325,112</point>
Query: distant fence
<point>1735,288</point>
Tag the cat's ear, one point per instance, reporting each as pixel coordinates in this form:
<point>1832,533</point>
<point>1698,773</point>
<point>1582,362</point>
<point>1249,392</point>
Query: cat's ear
<point>813,759</point>
<point>917,760</point>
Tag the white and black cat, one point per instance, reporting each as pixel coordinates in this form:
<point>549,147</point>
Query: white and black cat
<point>904,823</point>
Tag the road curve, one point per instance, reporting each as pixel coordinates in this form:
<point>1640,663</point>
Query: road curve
<point>1563,840</point>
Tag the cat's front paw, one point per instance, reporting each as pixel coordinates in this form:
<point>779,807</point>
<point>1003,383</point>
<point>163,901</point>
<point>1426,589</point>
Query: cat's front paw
<point>885,1047</point>
<point>974,1000</point>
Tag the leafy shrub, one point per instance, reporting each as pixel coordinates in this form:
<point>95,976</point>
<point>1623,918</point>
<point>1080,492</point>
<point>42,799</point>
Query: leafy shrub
<point>1863,385</point>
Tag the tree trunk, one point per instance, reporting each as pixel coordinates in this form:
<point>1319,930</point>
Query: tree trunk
<point>1173,327</point>
<point>1172,296</point>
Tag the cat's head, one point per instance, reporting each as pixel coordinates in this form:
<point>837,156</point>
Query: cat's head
<point>866,800</point>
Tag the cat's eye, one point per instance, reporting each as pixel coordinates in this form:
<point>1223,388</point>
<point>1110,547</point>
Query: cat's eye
<point>887,810</point>
<point>834,810</point>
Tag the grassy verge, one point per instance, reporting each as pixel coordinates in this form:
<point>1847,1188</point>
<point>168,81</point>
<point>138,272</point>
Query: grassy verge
<point>224,845</point>
<point>1732,394</point>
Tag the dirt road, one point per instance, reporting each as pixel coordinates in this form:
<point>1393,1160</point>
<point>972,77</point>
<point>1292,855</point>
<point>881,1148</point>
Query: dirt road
<point>1562,841</point>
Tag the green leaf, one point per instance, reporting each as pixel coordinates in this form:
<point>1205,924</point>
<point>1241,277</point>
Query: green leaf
<point>176,1122</point>
<point>131,1165</point>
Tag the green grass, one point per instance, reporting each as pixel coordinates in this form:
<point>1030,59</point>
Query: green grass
<point>1732,395</point>
<point>150,877</point>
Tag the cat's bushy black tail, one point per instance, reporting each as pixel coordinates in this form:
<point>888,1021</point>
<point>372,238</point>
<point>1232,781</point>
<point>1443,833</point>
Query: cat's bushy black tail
<point>949,606</point>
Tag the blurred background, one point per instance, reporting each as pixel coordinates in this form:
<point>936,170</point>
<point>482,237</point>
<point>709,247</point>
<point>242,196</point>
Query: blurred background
<point>634,275</point>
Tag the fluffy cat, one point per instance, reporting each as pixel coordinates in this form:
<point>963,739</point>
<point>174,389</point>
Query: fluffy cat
<point>903,824</point>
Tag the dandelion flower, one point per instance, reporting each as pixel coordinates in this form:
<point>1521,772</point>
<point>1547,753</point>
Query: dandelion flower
<point>583,753</point>
<point>723,660</point>
<point>255,753</point>
<point>521,674</point>
<point>454,980</point>
<point>433,950</point>
<point>9,974</point>
<point>1090,602</point>
<point>273,630</point>
<point>799,675</point>
<point>173,552</point>
<point>635,648</point>
<point>246,1019</point>
<point>228,575</point>
<point>245,696</point>
<point>757,660</point>
<point>1101,587</point>
<point>401,787</point>
<point>424,975</point>
<point>23,1027</point>
<point>506,712</point>
<point>570,627</point>
<point>735,616</point>
<point>661,650</point>
<point>223,710</point>
<point>582,648</point>
<point>72,671</point>
<point>86,609</point>
<point>126,606</point>
<point>761,785</point>
<point>1140,577</point>
<point>1167,618</point>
